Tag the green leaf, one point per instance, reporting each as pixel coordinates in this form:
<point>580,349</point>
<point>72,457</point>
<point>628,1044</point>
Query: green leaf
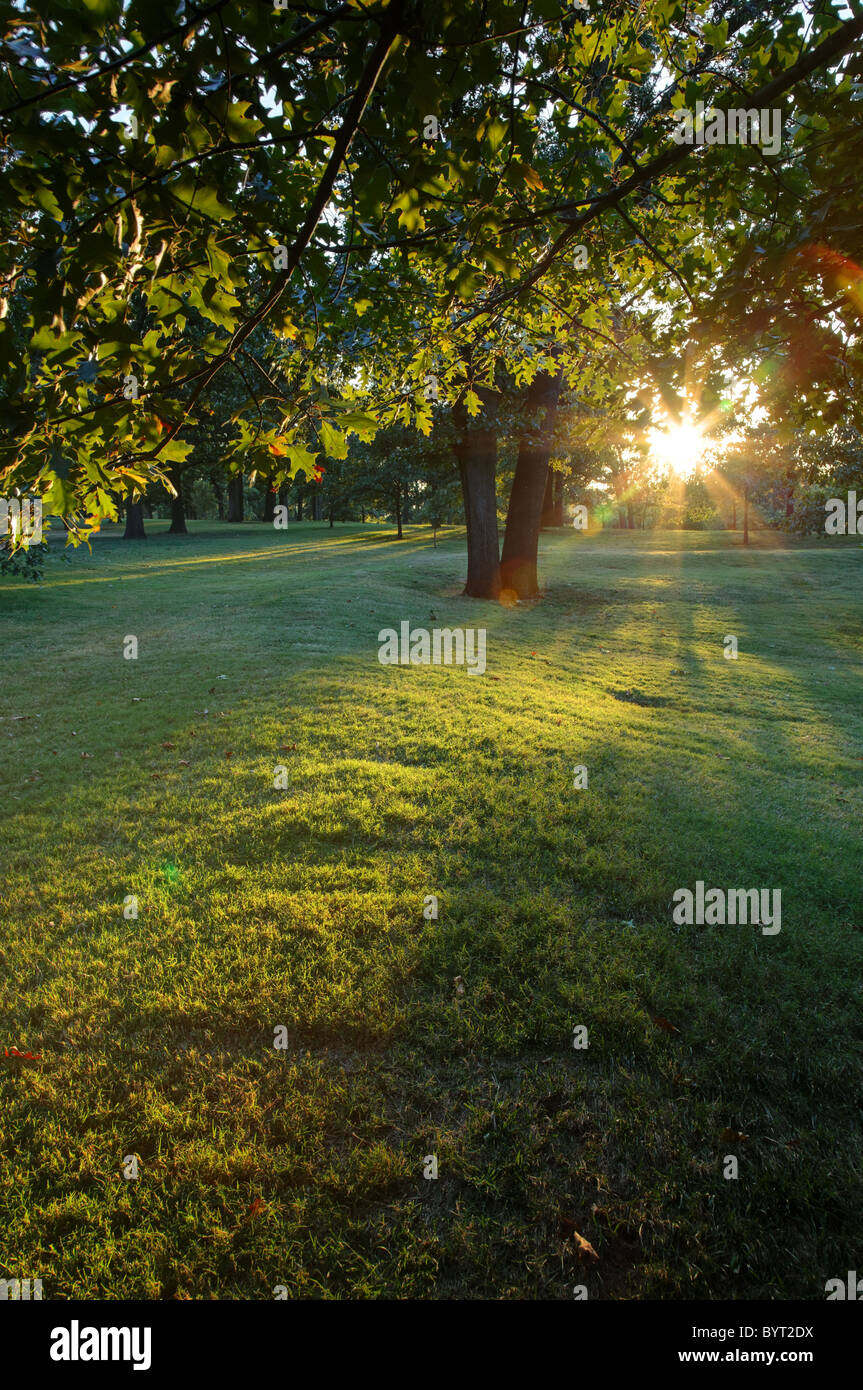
<point>335,444</point>
<point>493,133</point>
<point>176,451</point>
<point>365,427</point>
<point>301,458</point>
<point>202,198</point>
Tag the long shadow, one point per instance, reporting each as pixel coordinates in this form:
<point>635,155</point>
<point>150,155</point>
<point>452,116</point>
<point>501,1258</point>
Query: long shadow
<point>550,913</point>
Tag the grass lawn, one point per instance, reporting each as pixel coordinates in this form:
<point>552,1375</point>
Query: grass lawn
<point>303,907</point>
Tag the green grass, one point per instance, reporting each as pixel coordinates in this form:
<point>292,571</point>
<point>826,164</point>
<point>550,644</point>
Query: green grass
<point>303,907</point>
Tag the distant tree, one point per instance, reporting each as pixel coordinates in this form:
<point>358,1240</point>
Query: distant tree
<point>134,522</point>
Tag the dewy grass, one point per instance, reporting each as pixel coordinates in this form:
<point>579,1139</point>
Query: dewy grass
<point>300,908</point>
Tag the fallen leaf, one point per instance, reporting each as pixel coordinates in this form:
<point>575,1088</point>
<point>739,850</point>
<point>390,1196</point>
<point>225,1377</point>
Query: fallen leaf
<point>733,1136</point>
<point>257,1206</point>
<point>586,1251</point>
<point>584,1248</point>
<point>229,752</point>
<point>168,745</point>
<point>184,762</point>
<point>459,984</point>
<point>664,1024</point>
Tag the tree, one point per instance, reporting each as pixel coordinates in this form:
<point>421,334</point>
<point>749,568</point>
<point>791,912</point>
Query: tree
<point>134,522</point>
<point>556,129</point>
<point>753,466</point>
<point>476,451</point>
<point>236,498</point>
<point>178,511</point>
<point>524,517</point>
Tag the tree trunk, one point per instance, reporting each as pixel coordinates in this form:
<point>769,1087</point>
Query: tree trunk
<point>300,507</point>
<point>476,451</point>
<point>789,500</point>
<point>734,515</point>
<point>219,492</point>
<point>235,498</point>
<point>134,522</point>
<point>746,517</point>
<point>398,510</point>
<point>270,499</point>
<point>178,513</point>
<point>524,514</point>
<point>548,500</point>
<point>557,510</point>
<point>316,507</point>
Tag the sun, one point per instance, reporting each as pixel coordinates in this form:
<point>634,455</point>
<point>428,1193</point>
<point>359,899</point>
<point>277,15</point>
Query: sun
<point>679,447</point>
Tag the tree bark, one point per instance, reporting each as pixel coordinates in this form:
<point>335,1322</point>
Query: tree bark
<point>270,499</point>
<point>178,511</point>
<point>134,522</point>
<point>398,511</point>
<point>734,515</point>
<point>557,511</point>
<point>219,493</point>
<point>476,451</point>
<point>746,516</point>
<point>316,507</point>
<point>548,500</point>
<point>235,498</point>
<point>524,514</point>
<point>300,507</point>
